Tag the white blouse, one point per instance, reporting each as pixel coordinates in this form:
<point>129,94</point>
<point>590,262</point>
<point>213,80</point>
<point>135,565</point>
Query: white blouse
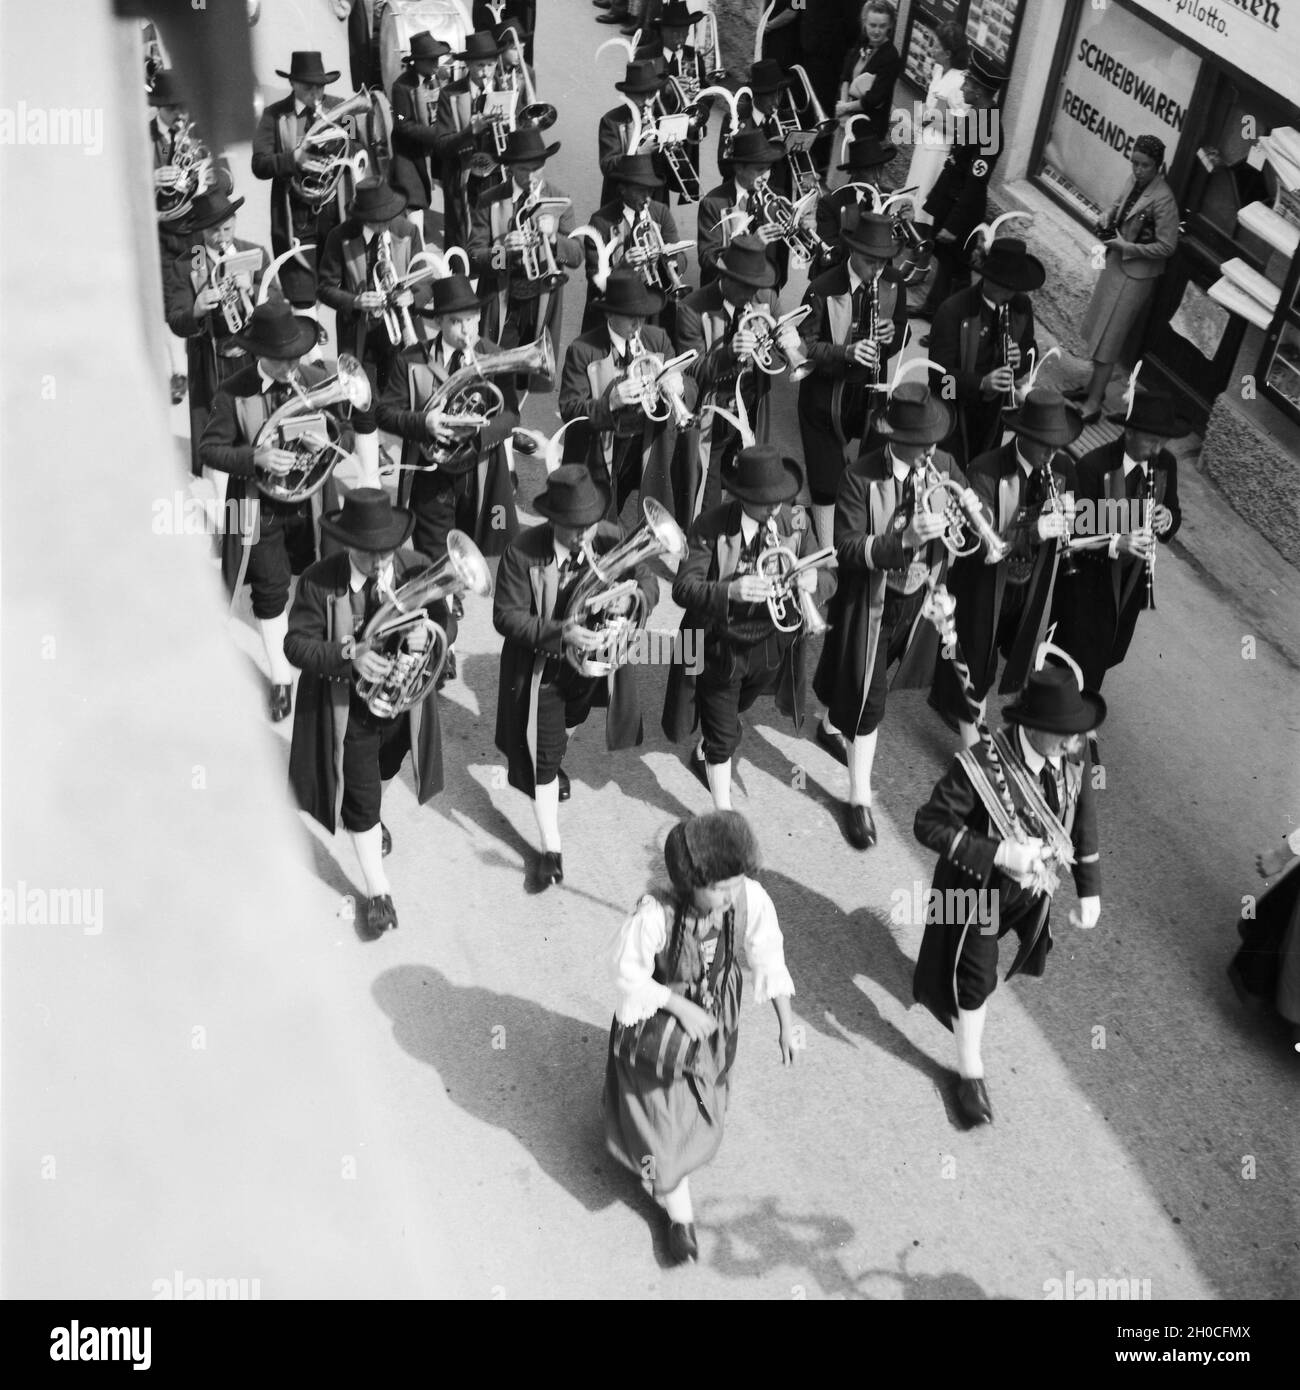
<point>645,933</point>
<point>945,86</point>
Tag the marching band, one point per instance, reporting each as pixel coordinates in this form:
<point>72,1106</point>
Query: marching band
<point>943,507</point>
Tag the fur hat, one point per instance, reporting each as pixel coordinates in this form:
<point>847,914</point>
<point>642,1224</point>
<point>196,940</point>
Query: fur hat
<point>710,849</point>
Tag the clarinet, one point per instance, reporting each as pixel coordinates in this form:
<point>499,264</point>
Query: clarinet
<point>1069,565</point>
<point>1149,509</point>
<point>872,327</point>
<point>1004,330</point>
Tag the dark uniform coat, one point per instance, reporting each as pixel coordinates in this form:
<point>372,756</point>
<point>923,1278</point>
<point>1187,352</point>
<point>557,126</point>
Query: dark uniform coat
<point>417,166</point>
<point>866,550</point>
<point>885,64</point>
<point>712,238</point>
<point>1098,613</point>
<point>612,135</point>
<point>343,278</point>
<point>610,225</point>
<point>523,612</point>
<point>319,621</point>
<point>955,824</point>
<point>958,202</point>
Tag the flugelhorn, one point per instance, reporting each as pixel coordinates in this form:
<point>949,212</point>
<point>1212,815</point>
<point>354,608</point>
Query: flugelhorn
<point>602,585</point>
<point>397,299</point>
<point>658,399</point>
<point>769,356</point>
<point>967,525</point>
<point>653,257</point>
<point>790,606</point>
<point>291,427</point>
<point>804,243</point>
<point>401,632</point>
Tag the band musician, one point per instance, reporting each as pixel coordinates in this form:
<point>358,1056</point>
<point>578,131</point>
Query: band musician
<point>732,208</point>
<point>417,167</point>
<point>464,140</point>
<point>642,84</point>
<point>726,594</point>
<point>343,753</point>
<point>543,697</point>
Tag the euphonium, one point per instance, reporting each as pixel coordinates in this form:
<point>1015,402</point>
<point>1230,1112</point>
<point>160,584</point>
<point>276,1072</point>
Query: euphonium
<point>317,455</point>
<point>327,144</point>
<point>769,356</point>
<point>179,182</point>
<point>790,606</point>
<point>968,526</point>
<point>397,315</point>
<point>468,398</point>
<point>602,585</point>
<point>414,666</point>
<point>659,401</point>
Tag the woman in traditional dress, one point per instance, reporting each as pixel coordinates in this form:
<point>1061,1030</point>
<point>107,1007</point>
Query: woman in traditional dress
<point>934,139</point>
<point>673,1041</point>
<point>1141,233</point>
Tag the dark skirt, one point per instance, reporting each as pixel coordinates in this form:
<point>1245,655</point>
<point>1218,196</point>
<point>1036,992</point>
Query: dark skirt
<point>663,1132</point>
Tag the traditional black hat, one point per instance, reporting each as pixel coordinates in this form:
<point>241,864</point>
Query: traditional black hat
<point>762,474</point>
<point>166,90</point>
<point>274,330</point>
<point>636,169</point>
<point>1154,413</point>
<point>746,260</point>
<point>1052,702</point>
<point>767,75</point>
<point>377,201</point>
<point>1045,416</point>
<point>641,77</point>
<point>425,52</point>
<point>753,147</point>
<point>866,152</point>
<point>1007,263</point>
<point>676,15</point>
<point>868,233</point>
<point>627,293</point>
<point>305,66</point>
<point>210,209</point>
<point>526,146</point>
<point>367,520</point>
<point>453,294</point>
<point>914,415</point>
<point>480,47</point>
<point>572,497</point>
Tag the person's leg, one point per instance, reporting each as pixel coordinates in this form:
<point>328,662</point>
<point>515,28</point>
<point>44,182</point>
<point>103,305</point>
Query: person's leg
<point>717,697</point>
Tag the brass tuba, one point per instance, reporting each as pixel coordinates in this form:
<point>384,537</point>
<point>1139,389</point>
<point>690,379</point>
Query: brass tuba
<point>328,143</point>
<point>601,585</point>
<point>414,668</point>
<point>291,428</point>
<point>469,399</point>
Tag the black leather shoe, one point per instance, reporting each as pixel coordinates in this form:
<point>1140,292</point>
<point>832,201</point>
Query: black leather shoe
<point>551,869</point>
<point>562,778</point>
<point>862,828</point>
<point>629,29</point>
<point>523,443</point>
<point>322,336</point>
<point>834,744</point>
<point>385,839</point>
<point>1077,393</point>
<point>448,672</point>
<point>179,385</point>
<point>610,17</point>
<point>1091,418</point>
<point>973,1101</point>
<point>381,915</point>
<point>602,4</point>
<point>281,702</point>
<point>699,769</point>
<point>682,1245</point>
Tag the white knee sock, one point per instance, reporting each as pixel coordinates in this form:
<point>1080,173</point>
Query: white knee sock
<point>546,807</point>
<point>970,736</point>
<point>274,631</point>
<point>720,784</point>
<point>367,450</point>
<point>862,757</point>
<point>968,1030</point>
<point>369,845</point>
<point>824,525</point>
<point>678,1204</point>
<point>827,725</point>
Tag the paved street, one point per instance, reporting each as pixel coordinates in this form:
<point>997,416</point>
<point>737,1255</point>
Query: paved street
<point>1146,1125</point>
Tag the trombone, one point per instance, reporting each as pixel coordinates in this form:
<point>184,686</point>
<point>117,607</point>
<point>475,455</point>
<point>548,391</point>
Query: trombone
<point>798,137</point>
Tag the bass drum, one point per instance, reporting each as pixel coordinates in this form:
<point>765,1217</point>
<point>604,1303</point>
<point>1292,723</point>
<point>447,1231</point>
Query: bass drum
<point>447,20</point>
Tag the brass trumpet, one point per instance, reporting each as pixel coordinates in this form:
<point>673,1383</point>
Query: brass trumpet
<point>293,427</point>
<point>416,662</point>
<point>790,606</point>
<point>769,356</point>
<point>397,311</point>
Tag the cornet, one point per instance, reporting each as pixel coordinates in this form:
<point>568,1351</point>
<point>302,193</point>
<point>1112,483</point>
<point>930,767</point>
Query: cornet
<point>769,356</point>
<point>967,524</point>
<point>601,586</point>
<point>537,255</point>
<point>414,664</point>
<point>659,400</point>
<point>654,257</point>
<point>292,428</point>
<point>790,606</point>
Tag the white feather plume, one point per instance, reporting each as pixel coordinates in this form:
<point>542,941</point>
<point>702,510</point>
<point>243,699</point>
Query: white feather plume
<point>1131,390</point>
<point>987,231</point>
<point>604,252</point>
<point>904,367</point>
<point>1048,648</point>
<point>1036,365</point>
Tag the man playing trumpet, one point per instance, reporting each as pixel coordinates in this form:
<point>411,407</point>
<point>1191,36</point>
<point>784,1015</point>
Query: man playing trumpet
<point>1003,604</point>
<point>890,550</point>
<point>542,696</point>
<point>708,321</point>
<point>732,208</point>
<point>624,447</point>
<point>343,753</point>
<point>726,588</point>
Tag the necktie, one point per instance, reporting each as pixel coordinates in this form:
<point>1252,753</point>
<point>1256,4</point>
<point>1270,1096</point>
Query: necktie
<point>906,501</point>
<point>308,117</point>
<point>1048,779</point>
<point>372,256</point>
<point>1034,490</point>
<point>480,102</point>
<point>455,362</point>
<point>572,564</point>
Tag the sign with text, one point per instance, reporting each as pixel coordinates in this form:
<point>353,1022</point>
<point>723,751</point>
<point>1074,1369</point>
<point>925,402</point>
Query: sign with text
<point>1261,37</point>
<point>1121,80</point>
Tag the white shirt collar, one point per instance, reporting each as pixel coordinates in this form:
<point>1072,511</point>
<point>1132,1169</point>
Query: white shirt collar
<point>901,469</point>
<point>621,344</point>
<point>992,308</point>
<point>300,107</point>
<point>562,552</point>
<point>357,580</point>
<point>749,527</point>
<point>855,280</point>
<point>1034,760</point>
<point>368,234</point>
<point>1131,463</point>
<point>1026,467</point>
<point>267,381</point>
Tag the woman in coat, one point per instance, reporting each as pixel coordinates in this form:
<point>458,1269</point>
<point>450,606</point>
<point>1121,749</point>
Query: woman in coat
<point>870,70</point>
<point>1141,233</point>
<point>932,143</point>
<point>679,985</point>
